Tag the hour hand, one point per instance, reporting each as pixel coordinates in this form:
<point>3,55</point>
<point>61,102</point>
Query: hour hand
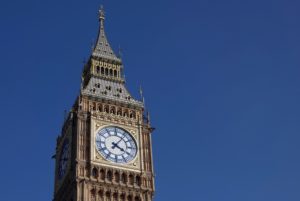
<point>116,145</point>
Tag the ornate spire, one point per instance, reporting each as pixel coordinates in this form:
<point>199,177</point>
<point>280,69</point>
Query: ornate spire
<point>102,48</point>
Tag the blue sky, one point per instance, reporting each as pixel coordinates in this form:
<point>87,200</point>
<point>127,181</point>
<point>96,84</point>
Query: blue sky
<point>220,78</point>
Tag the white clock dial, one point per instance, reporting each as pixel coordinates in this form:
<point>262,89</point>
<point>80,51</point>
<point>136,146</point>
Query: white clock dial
<point>116,144</point>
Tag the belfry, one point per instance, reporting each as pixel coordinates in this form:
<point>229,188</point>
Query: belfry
<point>104,151</point>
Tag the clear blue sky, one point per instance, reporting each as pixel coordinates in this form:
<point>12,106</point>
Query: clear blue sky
<point>221,80</point>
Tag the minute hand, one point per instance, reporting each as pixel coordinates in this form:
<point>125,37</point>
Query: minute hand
<point>121,139</point>
<point>116,144</point>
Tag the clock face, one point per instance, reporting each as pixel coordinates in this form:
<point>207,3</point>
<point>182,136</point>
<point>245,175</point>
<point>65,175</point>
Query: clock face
<point>63,159</point>
<point>116,145</point>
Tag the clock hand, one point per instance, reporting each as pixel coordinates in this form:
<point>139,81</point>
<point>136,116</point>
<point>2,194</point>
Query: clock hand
<point>116,145</point>
<point>121,148</point>
<point>121,139</point>
<point>113,145</point>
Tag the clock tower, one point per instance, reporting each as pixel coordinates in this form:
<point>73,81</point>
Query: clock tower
<point>104,151</point>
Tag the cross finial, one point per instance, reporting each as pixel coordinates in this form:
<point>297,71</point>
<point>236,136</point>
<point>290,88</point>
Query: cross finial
<point>101,14</point>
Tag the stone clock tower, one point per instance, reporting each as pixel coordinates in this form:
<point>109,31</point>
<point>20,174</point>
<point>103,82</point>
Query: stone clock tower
<point>104,152</point>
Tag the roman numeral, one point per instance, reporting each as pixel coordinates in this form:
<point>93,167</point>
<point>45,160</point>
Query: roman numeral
<point>124,158</point>
<point>102,149</point>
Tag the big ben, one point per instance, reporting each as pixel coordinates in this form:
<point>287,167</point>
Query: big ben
<point>104,151</point>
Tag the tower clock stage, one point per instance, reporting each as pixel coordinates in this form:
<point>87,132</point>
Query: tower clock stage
<point>116,145</point>
<point>104,151</point>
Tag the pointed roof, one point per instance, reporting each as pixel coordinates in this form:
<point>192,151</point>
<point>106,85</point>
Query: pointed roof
<point>102,48</point>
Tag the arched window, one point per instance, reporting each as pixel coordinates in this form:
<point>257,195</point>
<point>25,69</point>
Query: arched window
<point>115,73</point>
<point>129,198</point>
<point>97,69</point>
<point>113,110</point>
<point>119,112</point>
<point>138,180</point>
<point>115,197</point>
<point>93,191</point>
<point>106,71</point>
<point>109,175</point>
<point>106,108</point>
<point>111,72</point>
<point>102,70</point>
<point>117,177</point>
<point>107,195</point>
<point>93,195</point>
<point>122,197</point>
<point>100,108</point>
<point>124,178</point>
<point>125,113</point>
<point>132,114</point>
<point>131,179</point>
<point>137,198</point>
<point>102,174</point>
<point>100,193</point>
<point>95,173</point>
